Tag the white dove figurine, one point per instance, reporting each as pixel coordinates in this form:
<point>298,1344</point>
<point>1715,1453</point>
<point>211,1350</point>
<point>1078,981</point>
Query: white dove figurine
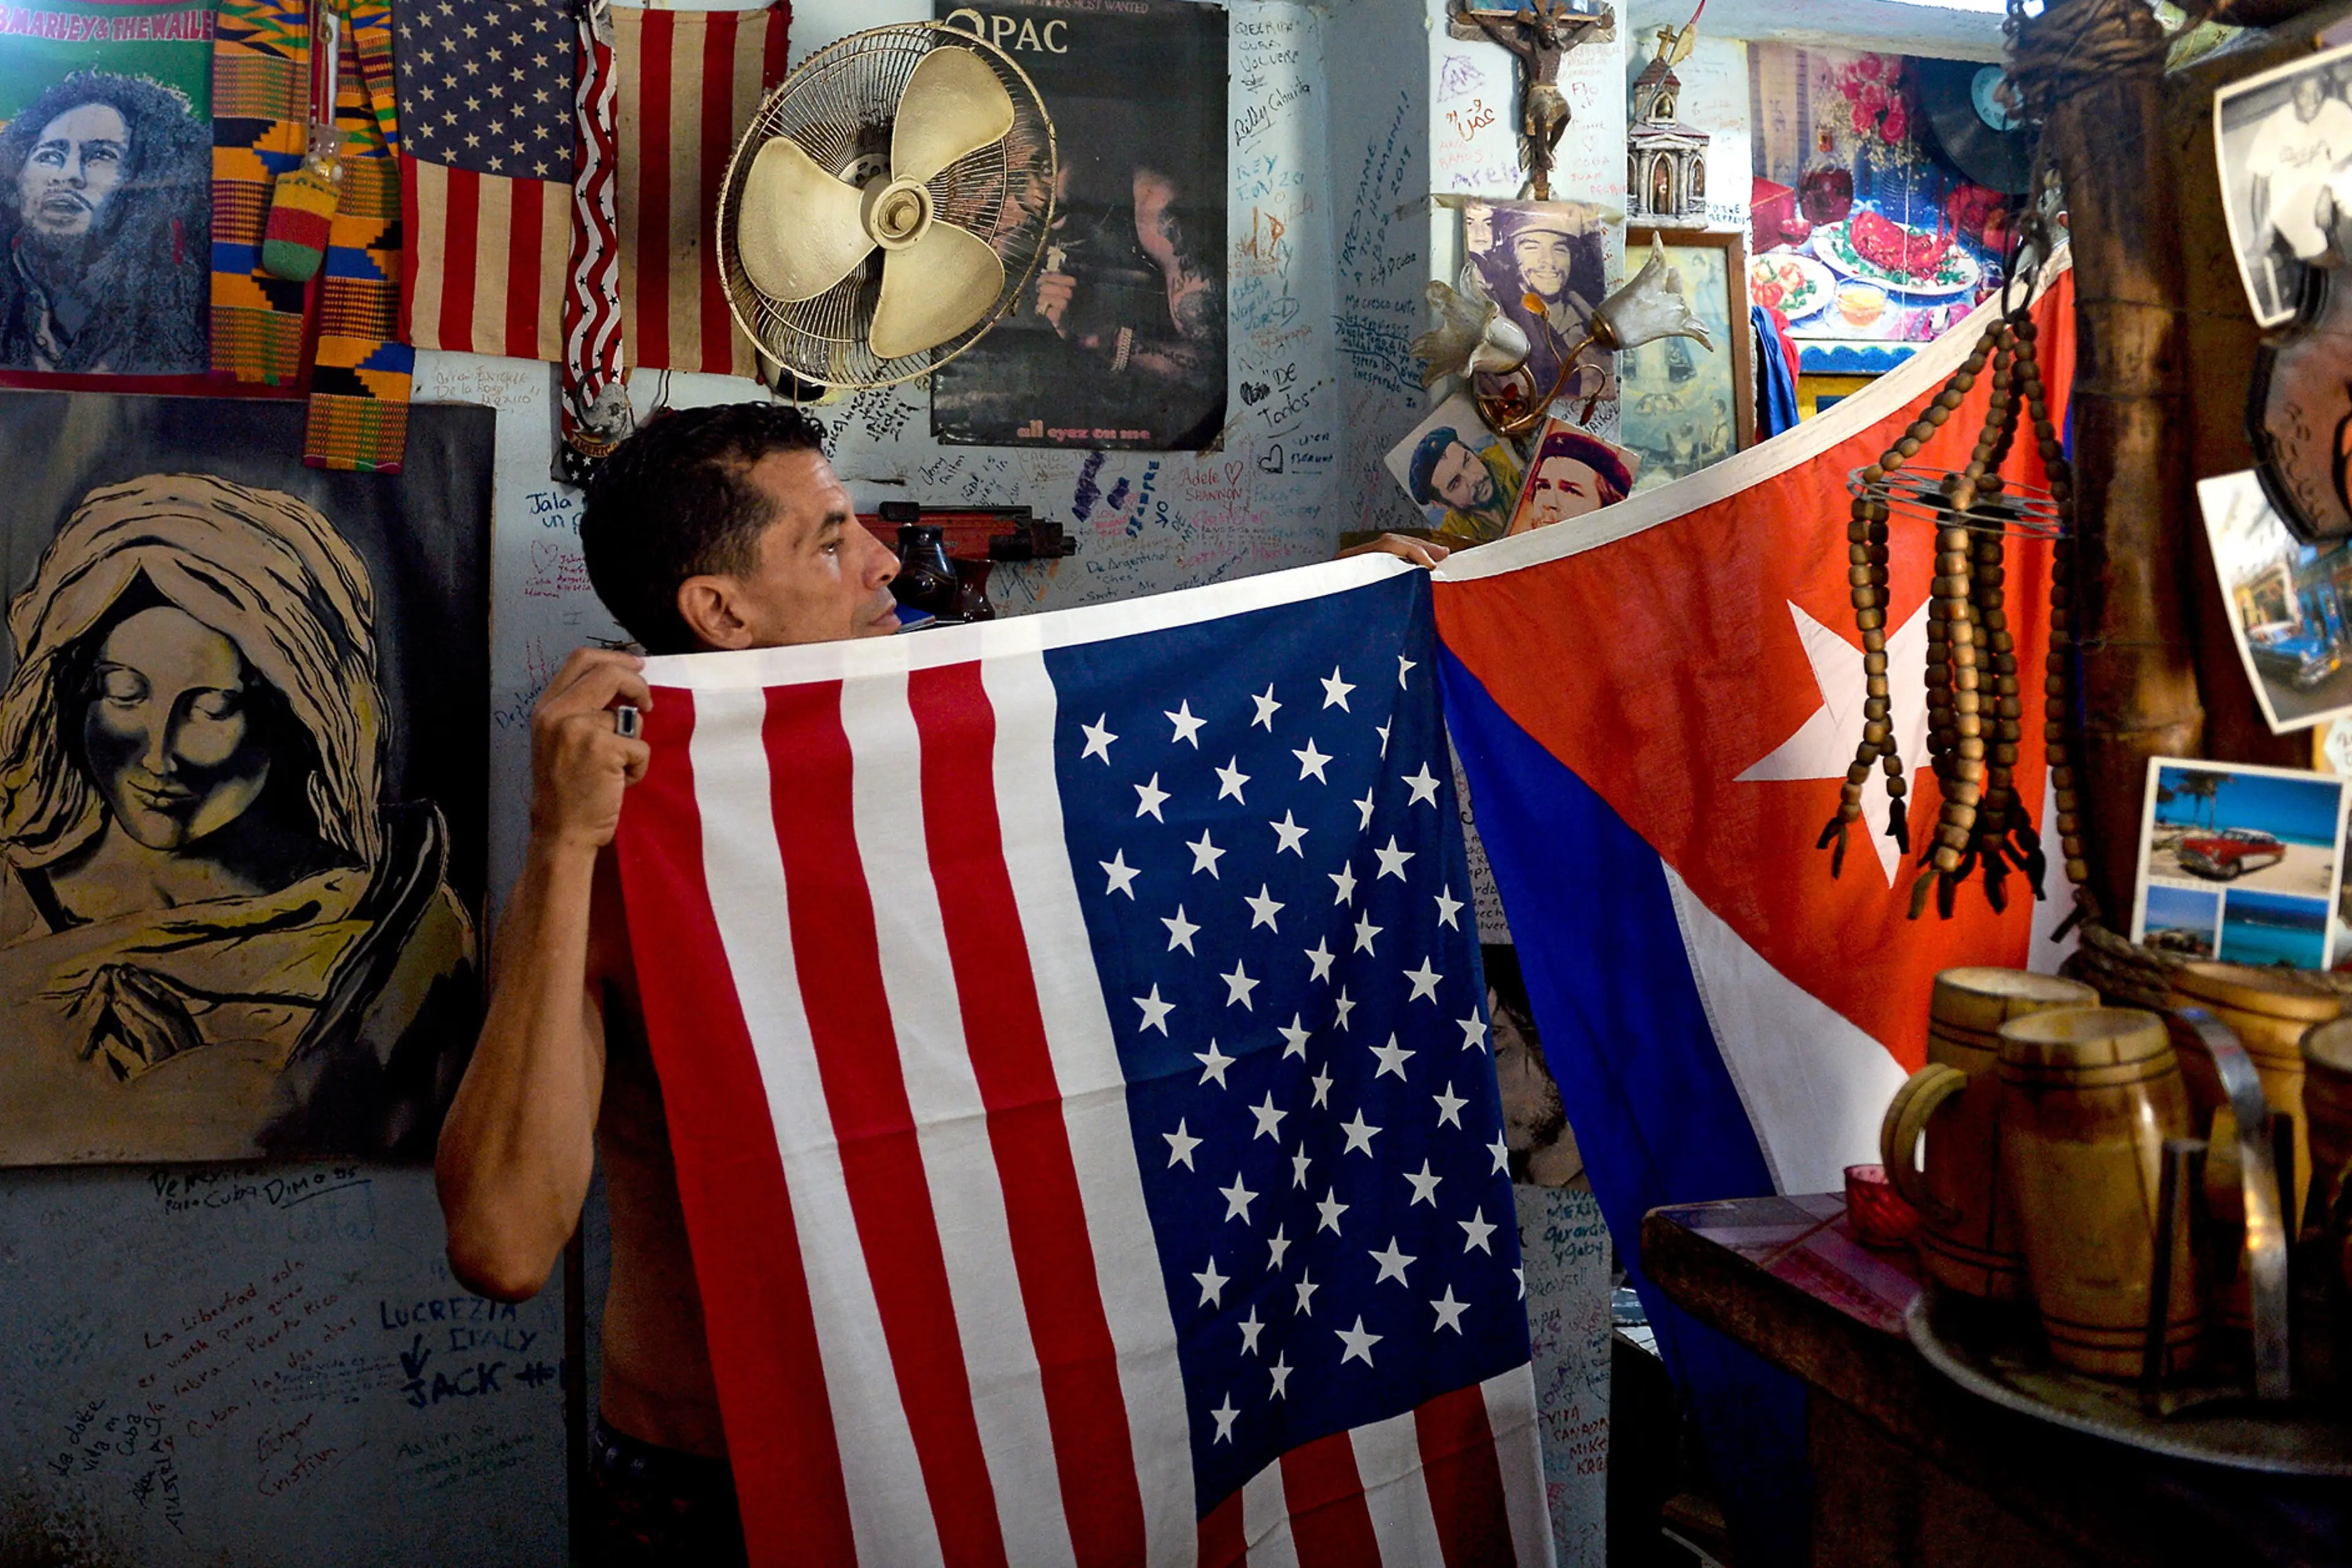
<point>1472,336</point>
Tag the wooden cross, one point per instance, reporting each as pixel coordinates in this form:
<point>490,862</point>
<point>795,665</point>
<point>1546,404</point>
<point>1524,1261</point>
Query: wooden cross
<point>1538,33</point>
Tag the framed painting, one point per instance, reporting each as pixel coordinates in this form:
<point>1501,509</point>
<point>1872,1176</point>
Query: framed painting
<point>1681,406</point>
<point>245,740</point>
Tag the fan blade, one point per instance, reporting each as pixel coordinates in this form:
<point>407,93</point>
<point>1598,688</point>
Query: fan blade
<point>933,290</point>
<point>953,106</point>
<point>800,231</point>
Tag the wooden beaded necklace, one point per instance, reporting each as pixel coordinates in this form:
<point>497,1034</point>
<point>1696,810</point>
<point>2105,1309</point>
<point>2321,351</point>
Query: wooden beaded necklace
<point>1975,707</point>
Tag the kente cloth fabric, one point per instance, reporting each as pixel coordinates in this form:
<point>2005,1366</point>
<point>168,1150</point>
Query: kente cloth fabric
<point>592,304</point>
<point>689,84</point>
<point>487,100</point>
<point>1656,707</point>
<point>261,91</point>
<point>360,385</point>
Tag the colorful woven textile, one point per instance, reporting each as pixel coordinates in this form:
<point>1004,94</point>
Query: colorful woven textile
<point>359,387</point>
<point>261,77</point>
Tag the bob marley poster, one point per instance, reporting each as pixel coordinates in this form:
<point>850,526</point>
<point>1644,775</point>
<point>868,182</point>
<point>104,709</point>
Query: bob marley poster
<point>1118,341</point>
<point>105,187</point>
<point>244,751</point>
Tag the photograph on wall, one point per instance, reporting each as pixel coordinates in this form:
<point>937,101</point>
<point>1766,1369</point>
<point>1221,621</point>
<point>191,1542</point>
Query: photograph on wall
<point>1574,474</point>
<point>106,144</point>
<point>1863,231</point>
<point>244,732</point>
<point>1119,340</point>
<point>1463,477</point>
<point>2239,863</point>
<point>1682,405</point>
<point>2280,139</point>
<point>1547,264</point>
<point>2290,605</point>
<point>1541,1145</point>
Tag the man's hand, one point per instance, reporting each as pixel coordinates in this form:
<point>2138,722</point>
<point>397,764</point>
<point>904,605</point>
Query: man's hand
<point>1404,547</point>
<point>579,763</point>
<point>1053,291</point>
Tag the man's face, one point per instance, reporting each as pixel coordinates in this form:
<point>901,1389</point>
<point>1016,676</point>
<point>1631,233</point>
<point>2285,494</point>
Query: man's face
<point>1543,261</point>
<point>73,169</point>
<point>1462,479</point>
<point>1563,487</point>
<point>820,576</point>
<point>2306,98</point>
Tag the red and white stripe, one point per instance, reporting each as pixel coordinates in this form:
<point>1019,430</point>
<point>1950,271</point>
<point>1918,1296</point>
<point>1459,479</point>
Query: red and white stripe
<point>933,1300</point>
<point>592,304</point>
<point>483,270</point>
<point>690,82</point>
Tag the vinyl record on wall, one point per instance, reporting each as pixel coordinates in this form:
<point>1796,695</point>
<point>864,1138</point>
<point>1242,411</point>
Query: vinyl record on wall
<point>1970,127</point>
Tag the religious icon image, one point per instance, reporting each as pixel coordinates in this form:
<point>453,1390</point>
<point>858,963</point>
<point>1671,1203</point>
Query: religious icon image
<point>1547,264</point>
<point>1538,34</point>
<point>1118,341</point>
<point>106,166</point>
<point>1574,474</point>
<point>1463,477</point>
<point>229,922</point>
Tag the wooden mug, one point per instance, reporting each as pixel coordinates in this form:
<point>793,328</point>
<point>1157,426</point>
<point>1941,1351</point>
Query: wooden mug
<point>1967,1239</point>
<point>2087,1097</point>
<point>2270,1011</point>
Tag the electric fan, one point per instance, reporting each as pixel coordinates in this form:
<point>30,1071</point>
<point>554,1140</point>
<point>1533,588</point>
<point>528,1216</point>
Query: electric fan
<point>886,204</point>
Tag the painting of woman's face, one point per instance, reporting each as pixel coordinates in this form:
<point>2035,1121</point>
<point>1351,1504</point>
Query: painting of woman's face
<point>169,731</point>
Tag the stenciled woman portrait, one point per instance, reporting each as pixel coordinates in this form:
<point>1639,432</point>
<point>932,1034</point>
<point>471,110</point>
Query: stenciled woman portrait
<point>216,936</point>
<point>105,226</point>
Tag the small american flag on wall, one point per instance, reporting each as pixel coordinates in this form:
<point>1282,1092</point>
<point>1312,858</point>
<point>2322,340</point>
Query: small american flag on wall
<point>1076,1062</point>
<point>486,91</point>
<point>690,82</point>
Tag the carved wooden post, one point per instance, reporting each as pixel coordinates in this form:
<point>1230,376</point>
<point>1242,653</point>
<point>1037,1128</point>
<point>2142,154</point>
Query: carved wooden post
<point>2093,67</point>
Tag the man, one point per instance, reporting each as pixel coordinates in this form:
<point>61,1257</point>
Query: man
<point>2297,146</point>
<point>710,530</point>
<point>106,223</point>
<point>1574,475</point>
<point>1542,252</point>
<point>1477,488</point>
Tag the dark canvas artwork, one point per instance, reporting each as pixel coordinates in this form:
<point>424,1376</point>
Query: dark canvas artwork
<point>1119,340</point>
<point>243,754</point>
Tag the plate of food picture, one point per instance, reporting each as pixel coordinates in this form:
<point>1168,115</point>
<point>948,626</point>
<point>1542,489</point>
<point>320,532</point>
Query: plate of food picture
<point>1877,249</point>
<point>1790,282</point>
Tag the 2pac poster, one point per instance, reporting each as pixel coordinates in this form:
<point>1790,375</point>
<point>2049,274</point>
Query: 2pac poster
<point>244,760</point>
<point>106,209</point>
<point>1118,341</point>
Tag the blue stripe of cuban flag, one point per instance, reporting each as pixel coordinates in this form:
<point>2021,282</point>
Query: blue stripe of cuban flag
<point>1653,1106</point>
<point>1270,863</point>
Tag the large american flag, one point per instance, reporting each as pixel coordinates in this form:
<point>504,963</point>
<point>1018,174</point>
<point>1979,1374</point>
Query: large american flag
<point>1073,1046</point>
<point>486,91</point>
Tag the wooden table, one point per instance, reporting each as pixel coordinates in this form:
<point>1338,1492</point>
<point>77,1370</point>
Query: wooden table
<point>1909,1469</point>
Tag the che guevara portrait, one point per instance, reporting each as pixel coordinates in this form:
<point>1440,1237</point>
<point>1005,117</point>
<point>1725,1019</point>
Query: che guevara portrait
<point>243,765</point>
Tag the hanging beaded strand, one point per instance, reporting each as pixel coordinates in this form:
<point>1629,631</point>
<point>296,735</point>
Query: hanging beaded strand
<point>1867,575</point>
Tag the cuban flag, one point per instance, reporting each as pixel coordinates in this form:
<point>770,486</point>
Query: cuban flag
<point>1073,1046</point>
<point>1655,708</point>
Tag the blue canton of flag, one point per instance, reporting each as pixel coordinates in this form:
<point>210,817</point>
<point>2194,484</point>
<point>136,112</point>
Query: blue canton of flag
<point>1260,813</point>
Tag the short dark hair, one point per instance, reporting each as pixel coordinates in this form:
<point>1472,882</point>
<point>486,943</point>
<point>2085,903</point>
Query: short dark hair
<point>1421,477</point>
<point>675,501</point>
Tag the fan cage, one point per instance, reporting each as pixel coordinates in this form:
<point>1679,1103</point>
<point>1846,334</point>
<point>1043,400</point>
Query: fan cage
<point>1922,495</point>
<point>839,107</point>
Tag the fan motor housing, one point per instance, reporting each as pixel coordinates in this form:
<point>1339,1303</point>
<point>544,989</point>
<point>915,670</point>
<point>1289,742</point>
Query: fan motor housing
<point>897,212</point>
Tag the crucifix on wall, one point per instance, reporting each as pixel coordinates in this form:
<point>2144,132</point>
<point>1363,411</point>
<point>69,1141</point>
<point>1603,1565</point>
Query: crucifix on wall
<point>1538,33</point>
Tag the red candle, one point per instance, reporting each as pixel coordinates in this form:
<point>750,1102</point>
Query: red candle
<point>1876,1211</point>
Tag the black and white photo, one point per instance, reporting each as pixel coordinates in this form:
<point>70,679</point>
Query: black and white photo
<point>2284,143</point>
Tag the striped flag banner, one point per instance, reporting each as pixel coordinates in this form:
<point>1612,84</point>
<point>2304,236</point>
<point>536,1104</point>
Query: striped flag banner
<point>690,82</point>
<point>485,92</point>
<point>1075,1059</point>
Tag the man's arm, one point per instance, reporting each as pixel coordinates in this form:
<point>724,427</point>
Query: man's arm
<point>518,1147</point>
